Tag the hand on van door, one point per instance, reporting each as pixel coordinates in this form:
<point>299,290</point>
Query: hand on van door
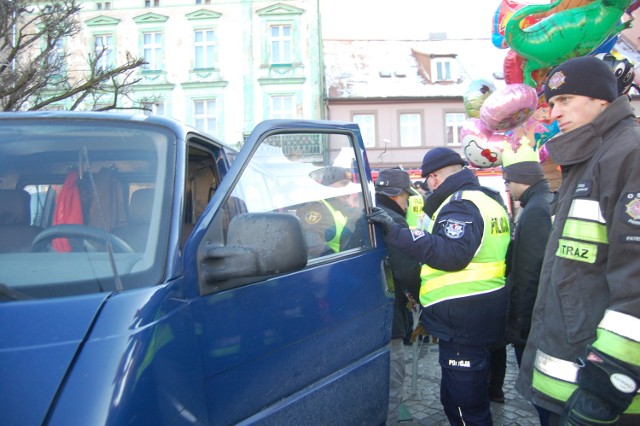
<point>382,218</point>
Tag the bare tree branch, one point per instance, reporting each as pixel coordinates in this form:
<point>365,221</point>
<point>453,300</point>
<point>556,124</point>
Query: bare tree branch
<point>35,70</point>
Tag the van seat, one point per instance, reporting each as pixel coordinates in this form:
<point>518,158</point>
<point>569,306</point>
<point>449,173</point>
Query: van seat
<point>16,231</point>
<point>140,208</point>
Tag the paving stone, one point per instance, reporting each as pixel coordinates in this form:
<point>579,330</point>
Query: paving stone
<point>422,392</point>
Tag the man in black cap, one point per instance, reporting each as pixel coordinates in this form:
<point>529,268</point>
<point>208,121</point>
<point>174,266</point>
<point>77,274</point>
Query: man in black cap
<point>393,188</point>
<point>581,364</point>
<point>463,290</point>
<point>528,186</point>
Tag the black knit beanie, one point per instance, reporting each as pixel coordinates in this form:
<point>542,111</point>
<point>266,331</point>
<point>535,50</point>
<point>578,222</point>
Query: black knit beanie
<point>585,76</point>
<point>438,158</point>
<point>527,172</point>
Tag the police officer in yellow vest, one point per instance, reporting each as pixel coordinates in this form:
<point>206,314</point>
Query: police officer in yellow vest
<point>463,284</point>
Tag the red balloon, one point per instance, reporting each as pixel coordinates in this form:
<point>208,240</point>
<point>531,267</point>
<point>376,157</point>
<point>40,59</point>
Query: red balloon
<point>513,68</point>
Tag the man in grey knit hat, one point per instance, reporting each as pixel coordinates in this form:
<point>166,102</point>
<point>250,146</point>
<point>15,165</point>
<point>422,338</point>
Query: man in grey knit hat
<point>581,364</point>
<point>527,185</point>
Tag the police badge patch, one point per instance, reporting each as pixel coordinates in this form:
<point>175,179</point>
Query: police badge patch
<point>416,234</point>
<point>312,217</point>
<point>454,229</point>
<point>632,208</point>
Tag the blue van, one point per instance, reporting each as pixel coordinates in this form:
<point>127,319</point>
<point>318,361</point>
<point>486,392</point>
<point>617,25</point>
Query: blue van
<point>150,274</point>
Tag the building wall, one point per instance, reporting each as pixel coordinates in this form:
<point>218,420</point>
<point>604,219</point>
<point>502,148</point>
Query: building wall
<point>387,150</point>
<point>242,79</point>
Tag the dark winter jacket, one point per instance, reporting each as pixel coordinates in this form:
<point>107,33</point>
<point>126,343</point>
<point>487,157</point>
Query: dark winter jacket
<point>405,270</point>
<point>589,292</point>
<point>527,252</point>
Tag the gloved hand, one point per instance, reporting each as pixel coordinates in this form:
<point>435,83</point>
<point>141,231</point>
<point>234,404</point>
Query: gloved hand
<point>606,387</point>
<point>586,409</point>
<point>381,217</point>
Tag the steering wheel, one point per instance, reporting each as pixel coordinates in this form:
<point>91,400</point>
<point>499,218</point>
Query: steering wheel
<point>83,232</point>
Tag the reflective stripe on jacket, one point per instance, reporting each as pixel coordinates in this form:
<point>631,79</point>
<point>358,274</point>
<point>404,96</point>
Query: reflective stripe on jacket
<point>486,271</point>
<point>557,378</point>
<point>414,210</point>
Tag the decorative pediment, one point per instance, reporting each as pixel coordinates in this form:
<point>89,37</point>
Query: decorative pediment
<point>150,18</point>
<point>102,21</point>
<point>203,14</point>
<point>279,9</point>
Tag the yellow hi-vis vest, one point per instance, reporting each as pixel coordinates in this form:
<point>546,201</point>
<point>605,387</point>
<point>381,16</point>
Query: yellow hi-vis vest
<point>486,271</point>
<point>414,210</point>
<point>340,220</point>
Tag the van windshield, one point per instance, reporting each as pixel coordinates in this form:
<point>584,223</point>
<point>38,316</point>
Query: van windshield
<point>81,205</point>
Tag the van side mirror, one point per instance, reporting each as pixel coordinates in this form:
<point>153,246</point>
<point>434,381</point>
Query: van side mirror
<point>258,245</point>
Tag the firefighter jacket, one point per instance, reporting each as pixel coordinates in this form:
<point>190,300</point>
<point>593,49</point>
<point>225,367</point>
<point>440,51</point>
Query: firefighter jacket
<point>589,292</point>
<point>455,245</point>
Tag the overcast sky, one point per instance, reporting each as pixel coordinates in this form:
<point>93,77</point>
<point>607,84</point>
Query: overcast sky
<point>406,19</point>
<point>409,19</point>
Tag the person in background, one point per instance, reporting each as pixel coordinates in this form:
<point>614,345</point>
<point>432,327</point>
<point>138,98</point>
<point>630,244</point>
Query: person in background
<point>463,290</point>
<point>393,188</point>
<point>581,364</point>
<point>528,186</point>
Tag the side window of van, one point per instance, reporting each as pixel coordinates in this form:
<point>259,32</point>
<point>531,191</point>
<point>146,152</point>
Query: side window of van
<point>313,177</point>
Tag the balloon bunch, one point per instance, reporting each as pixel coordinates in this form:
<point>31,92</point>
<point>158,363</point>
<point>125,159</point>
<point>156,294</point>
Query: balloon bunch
<point>510,115</point>
<point>541,36</point>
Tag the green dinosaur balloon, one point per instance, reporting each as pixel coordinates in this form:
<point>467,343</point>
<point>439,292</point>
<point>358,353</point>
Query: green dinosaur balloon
<point>563,35</point>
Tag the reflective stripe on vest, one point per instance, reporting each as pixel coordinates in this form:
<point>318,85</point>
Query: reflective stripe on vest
<point>340,220</point>
<point>414,210</point>
<point>486,271</point>
<point>558,379</point>
<point>584,228</point>
<point>618,335</point>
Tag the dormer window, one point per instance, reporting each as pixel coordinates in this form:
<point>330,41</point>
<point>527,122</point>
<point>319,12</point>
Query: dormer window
<point>442,69</point>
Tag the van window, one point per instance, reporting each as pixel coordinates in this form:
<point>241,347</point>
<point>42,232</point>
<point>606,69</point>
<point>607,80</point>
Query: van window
<point>88,203</point>
<point>321,188</point>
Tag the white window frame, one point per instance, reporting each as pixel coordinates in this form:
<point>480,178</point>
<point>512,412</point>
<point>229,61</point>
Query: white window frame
<point>107,42</point>
<point>281,42</point>
<point>152,50</point>
<point>151,3</point>
<point>453,124</point>
<point>282,106</point>
<point>206,117</point>
<point>410,124</point>
<point>367,123</point>
<point>57,53</point>
<point>204,48</point>
<point>442,69</point>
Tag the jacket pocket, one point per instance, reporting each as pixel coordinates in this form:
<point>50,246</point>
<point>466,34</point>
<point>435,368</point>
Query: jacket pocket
<point>576,310</point>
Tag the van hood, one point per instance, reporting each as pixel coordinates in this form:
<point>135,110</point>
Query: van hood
<point>38,343</point>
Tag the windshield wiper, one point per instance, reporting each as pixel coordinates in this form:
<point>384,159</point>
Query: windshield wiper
<point>8,293</point>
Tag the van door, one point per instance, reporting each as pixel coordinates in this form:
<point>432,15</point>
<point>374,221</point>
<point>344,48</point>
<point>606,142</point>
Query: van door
<point>292,316</point>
